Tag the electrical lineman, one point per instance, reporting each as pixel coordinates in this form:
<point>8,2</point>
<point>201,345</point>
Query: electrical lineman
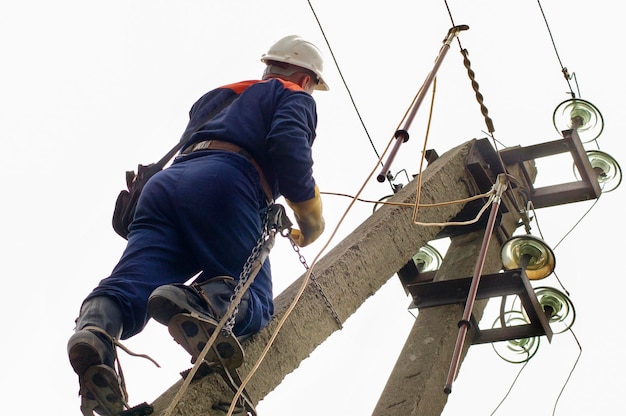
<point>204,214</point>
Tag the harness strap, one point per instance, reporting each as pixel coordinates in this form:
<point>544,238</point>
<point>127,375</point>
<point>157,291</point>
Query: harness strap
<point>231,147</point>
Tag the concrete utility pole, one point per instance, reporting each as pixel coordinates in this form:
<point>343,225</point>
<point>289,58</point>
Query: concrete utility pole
<point>383,246</point>
<point>416,385</point>
<point>349,274</point>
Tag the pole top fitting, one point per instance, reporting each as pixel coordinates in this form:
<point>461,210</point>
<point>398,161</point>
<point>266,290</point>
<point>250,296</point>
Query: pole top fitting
<point>453,32</point>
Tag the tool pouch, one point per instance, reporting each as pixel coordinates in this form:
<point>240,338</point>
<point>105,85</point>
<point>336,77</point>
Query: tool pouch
<point>126,203</point>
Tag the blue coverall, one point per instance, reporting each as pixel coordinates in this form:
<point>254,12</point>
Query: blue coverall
<point>204,213</point>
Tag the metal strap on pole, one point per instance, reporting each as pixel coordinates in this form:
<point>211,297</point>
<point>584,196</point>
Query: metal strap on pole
<point>464,324</point>
<point>402,135</point>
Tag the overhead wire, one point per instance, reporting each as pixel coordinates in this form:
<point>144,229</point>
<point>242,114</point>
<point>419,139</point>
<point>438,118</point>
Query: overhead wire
<point>580,352</point>
<point>519,373</point>
<point>577,222</point>
<point>343,80</point>
<point>563,68</point>
<point>568,77</point>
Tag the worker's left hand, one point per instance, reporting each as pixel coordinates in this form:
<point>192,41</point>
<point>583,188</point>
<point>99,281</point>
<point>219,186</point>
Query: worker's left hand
<point>309,218</point>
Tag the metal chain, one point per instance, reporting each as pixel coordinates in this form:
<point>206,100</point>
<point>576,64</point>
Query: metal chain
<point>247,268</point>
<point>254,255</point>
<point>327,302</point>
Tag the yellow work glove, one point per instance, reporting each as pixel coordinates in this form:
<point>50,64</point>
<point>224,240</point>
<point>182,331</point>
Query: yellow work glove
<point>309,218</point>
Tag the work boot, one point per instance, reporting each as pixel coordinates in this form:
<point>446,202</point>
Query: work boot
<point>169,300</point>
<point>192,314</point>
<point>91,351</point>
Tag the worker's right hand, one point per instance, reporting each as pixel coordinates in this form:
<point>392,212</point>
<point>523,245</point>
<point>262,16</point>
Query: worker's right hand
<point>309,218</point>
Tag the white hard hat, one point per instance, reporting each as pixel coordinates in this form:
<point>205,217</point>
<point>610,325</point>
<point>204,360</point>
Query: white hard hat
<point>296,51</point>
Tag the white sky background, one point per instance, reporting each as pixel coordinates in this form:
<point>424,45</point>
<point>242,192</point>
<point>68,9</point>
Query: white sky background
<point>90,89</point>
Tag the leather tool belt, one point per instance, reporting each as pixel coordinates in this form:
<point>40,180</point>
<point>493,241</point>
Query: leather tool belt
<point>231,147</point>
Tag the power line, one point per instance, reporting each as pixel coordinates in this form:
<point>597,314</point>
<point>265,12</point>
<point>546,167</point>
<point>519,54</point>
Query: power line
<point>563,68</point>
<point>332,54</point>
